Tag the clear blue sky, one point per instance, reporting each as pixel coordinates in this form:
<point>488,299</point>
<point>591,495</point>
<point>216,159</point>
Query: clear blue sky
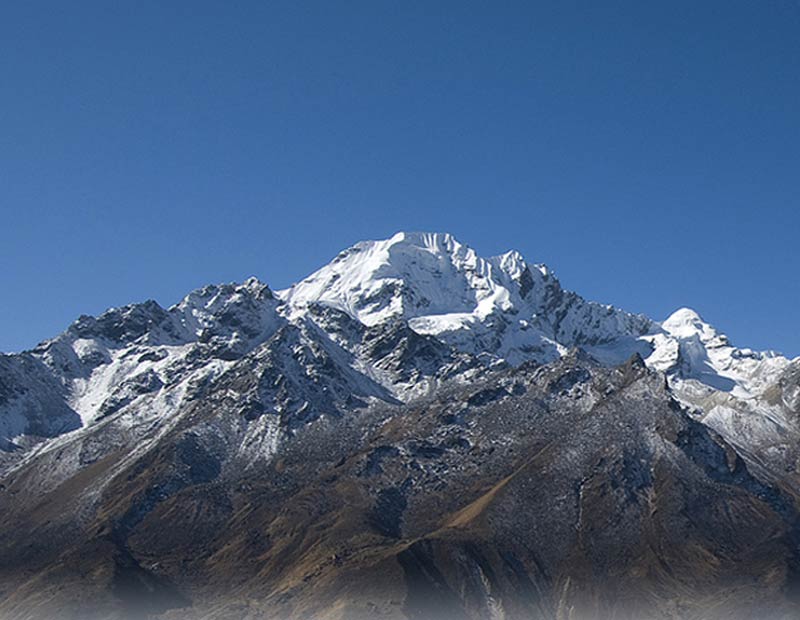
<point>649,152</point>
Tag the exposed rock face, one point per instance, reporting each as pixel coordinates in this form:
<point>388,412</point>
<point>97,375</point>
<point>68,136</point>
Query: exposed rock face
<point>411,432</point>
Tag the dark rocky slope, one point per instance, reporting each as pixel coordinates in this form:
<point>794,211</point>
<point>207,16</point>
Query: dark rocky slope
<point>560,491</point>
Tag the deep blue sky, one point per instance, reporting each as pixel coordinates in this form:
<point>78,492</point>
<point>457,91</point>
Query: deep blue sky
<point>648,151</point>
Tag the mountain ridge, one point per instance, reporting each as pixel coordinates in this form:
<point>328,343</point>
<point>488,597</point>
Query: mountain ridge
<point>391,398</point>
<point>501,310</point>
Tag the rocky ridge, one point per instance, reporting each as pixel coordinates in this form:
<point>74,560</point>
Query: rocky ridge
<point>496,445</point>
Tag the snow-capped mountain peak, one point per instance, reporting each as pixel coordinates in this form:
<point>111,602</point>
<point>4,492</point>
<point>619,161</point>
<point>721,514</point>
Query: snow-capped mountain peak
<point>411,275</point>
<point>501,306</point>
<point>698,356</point>
<point>248,307</point>
<point>687,323</point>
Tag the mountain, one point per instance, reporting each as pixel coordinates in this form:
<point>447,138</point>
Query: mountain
<point>413,431</point>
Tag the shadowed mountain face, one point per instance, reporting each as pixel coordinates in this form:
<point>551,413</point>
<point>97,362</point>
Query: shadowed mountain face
<point>341,451</point>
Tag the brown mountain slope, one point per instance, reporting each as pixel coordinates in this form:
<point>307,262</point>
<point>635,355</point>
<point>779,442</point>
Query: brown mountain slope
<point>561,491</point>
